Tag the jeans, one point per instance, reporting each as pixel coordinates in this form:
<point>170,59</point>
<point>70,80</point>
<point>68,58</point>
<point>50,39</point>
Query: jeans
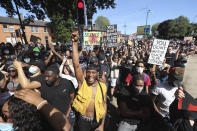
<point>125,126</point>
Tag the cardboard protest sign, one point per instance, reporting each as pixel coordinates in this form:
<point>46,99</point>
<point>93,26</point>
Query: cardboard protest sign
<point>189,85</point>
<point>111,35</point>
<point>188,38</point>
<point>92,38</point>
<point>158,51</point>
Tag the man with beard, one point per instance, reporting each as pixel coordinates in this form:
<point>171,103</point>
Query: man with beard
<point>59,92</point>
<point>90,101</point>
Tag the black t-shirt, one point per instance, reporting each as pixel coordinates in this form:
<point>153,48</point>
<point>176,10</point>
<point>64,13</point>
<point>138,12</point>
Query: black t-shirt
<point>170,59</point>
<point>39,78</point>
<point>134,102</point>
<point>59,96</point>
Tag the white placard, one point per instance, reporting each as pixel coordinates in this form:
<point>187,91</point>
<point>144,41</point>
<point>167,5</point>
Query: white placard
<point>158,51</point>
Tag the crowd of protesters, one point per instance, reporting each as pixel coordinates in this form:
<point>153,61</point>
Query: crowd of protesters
<point>57,87</point>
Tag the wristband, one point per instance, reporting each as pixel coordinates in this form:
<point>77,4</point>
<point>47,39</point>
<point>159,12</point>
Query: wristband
<point>41,103</point>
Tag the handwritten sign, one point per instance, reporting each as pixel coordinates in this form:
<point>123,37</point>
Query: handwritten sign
<point>189,85</point>
<point>158,51</point>
<point>92,38</point>
<point>111,35</point>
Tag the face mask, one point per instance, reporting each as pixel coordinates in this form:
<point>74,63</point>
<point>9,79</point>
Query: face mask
<point>33,70</point>
<point>27,60</point>
<point>140,70</point>
<point>185,64</point>
<point>139,89</point>
<point>6,126</point>
<point>130,62</point>
<point>102,61</point>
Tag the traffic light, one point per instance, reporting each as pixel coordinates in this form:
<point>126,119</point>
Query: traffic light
<point>80,12</point>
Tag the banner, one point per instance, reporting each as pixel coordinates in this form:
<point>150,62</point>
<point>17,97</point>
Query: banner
<point>92,38</point>
<point>111,35</point>
<point>158,51</point>
<point>141,30</point>
<point>188,38</point>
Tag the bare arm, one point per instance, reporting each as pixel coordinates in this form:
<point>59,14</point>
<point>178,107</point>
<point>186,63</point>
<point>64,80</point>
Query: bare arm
<point>75,57</point>
<point>72,96</point>
<point>5,81</point>
<point>155,106</point>
<point>62,66</point>
<point>177,54</point>
<point>56,118</point>
<point>49,58</point>
<point>54,51</point>
<point>24,82</point>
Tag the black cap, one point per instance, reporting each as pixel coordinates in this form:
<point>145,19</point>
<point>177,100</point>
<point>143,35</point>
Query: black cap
<point>93,59</point>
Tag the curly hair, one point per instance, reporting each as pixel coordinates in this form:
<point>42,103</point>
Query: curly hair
<point>26,116</point>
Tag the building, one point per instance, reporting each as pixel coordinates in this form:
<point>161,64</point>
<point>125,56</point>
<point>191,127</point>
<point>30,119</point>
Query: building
<point>36,32</point>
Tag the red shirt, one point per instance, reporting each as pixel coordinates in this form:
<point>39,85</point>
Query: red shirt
<point>147,82</point>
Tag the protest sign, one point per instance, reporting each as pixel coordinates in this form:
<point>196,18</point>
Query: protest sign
<point>92,38</point>
<point>111,35</point>
<point>189,85</point>
<point>158,51</point>
<point>188,38</point>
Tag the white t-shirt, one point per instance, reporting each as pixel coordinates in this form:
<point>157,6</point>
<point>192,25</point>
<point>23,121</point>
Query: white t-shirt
<point>72,79</point>
<point>165,95</point>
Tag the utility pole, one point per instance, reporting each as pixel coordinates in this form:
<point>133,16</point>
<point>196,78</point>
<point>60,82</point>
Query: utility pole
<point>21,24</point>
<point>125,27</point>
<point>145,31</point>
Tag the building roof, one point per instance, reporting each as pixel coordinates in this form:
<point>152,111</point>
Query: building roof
<point>15,21</point>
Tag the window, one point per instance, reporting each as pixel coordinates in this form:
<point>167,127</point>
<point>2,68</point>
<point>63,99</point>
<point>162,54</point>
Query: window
<point>32,29</point>
<point>45,29</point>
<point>36,29</point>
<point>11,28</point>
<point>5,28</point>
<point>46,39</point>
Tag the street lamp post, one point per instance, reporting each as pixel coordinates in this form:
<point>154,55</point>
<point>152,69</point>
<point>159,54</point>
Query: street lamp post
<point>21,24</point>
<point>148,11</point>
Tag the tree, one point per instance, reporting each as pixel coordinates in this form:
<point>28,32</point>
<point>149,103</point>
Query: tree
<point>102,22</point>
<point>62,13</point>
<point>163,29</point>
<point>42,8</point>
<point>178,28</point>
<point>154,28</point>
<point>62,28</point>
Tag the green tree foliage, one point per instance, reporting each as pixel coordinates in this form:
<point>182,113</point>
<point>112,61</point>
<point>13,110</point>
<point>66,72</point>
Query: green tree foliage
<point>42,8</point>
<point>193,30</point>
<point>102,22</point>
<point>62,13</point>
<point>154,28</point>
<point>62,28</point>
<point>176,28</point>
<point>179,27</point>
<point>163,29</point>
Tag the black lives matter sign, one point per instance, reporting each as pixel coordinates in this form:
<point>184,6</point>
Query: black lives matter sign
<point>158,51</point>
<point>111,35</point>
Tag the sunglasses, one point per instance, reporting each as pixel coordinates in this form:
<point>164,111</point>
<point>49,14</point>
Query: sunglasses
<point>11,71</point>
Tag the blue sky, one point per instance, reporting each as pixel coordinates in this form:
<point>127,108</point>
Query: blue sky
<point>133,12</point>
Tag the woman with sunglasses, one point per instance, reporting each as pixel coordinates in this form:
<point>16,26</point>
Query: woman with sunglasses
<point>10,83</point>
